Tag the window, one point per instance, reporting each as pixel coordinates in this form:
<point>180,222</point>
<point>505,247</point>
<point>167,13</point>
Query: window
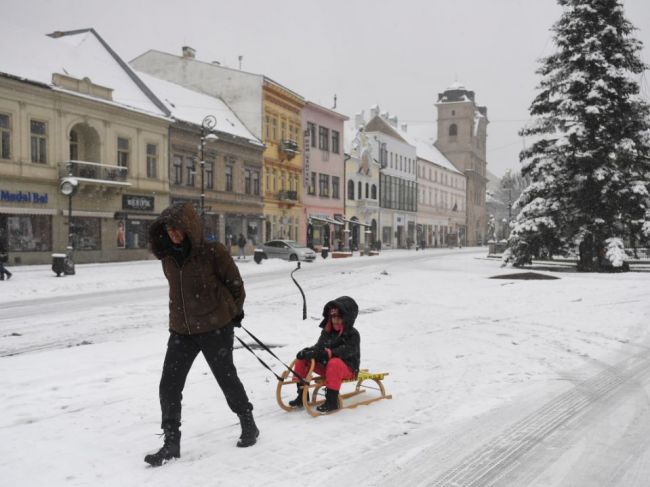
<point>323,138</point>
<point>248,176</point>
<point>123,152</point>
<point>453,130</point>
<point>283,129</point>
<point>87,233</point>
<point>209,175</point>
<point>152,160</point>
<point>5,136</point>
<point>373,192</point>
<point>350,189</point>
<point>359,194</point>
<point>190,170</point>
<point>178,170</point>
<point>268,127</point>
<point>335,142</point>
<point>312,184</point>
<point>74,145</point>
<point>367,190</point>
<point>324,185</point>
<point>312,133</point>
<point>39,141</point>
<point>256,183</point>
<point>274,129</point>
<point>27,233</point>
<point>228,178</point>
<point>335,187</point>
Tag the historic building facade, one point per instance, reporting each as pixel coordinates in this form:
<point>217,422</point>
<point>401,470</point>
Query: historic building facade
<point>362,169</point>
<point>462,132</point>
<point>323,176</point>
<point>75,113</point>
<point>397,180</point>
<point>441,199</point>
<point>215,162</point>
<point>269,110</point>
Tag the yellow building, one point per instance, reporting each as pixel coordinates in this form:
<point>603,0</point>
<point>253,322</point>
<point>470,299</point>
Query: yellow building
<point>283,163</point>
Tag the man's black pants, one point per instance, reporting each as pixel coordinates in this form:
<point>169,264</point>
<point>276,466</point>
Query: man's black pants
<point>216,347</point>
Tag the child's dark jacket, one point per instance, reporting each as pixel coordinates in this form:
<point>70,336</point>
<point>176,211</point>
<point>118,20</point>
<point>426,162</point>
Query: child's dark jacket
<point>347,345</point>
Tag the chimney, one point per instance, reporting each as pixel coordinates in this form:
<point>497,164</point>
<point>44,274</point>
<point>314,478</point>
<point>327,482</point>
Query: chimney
<point>359,120</point>
<point>374,111</point>
<point>189,52</point>
<point>404,127</point>
<point>393,121</point>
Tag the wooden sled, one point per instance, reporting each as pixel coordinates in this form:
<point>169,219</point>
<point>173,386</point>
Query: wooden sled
<point>315,383</point>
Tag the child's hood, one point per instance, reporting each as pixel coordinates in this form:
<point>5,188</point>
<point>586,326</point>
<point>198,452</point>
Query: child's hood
<point>348,308</point>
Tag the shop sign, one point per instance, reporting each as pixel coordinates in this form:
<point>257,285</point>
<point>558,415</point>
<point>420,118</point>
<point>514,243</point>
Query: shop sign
<point>139,203</point>
<point>23,197</point>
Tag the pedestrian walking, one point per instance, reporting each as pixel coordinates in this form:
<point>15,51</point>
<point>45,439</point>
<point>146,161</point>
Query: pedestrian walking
<point>206,299</point>
<point>241,243</point>
<point>4,258</point>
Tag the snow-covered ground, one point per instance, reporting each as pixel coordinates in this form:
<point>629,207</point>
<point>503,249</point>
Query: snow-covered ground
<point>499,380</point>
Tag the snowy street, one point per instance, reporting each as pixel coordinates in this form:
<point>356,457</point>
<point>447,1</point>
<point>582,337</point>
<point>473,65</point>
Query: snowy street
<point>494,381</point>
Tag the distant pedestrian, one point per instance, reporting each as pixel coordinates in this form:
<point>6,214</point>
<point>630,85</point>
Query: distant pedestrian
<point>206,302</point>
<point>241,243</point>
<point>4,258</point>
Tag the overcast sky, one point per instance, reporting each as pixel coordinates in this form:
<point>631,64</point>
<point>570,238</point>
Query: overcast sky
<point>398,54</point>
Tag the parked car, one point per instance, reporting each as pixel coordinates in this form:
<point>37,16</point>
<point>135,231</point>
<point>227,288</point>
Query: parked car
<point>284,249</point>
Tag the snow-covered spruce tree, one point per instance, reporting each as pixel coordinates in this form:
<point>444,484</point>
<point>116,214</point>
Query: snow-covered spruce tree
<point>589,167</point>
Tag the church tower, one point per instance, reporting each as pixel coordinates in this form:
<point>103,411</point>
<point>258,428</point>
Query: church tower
<point>462,133</point>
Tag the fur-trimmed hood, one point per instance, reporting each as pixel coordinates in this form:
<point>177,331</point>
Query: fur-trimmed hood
<point>182,216</point>
<point>348,308</point>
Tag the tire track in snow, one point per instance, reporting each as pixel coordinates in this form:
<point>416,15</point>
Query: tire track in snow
<point>492,461</point>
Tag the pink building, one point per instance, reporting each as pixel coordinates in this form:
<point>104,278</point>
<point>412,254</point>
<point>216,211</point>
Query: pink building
<point>324,163</point>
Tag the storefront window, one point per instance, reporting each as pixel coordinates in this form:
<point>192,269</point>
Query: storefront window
<point>252,231</point>
<point>26,233</point>
<point>137,234</point>
<point>87,233</point>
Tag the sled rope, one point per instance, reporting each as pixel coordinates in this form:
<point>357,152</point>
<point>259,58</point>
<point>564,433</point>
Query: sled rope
<point>304,299</point>
<point>261,344</point>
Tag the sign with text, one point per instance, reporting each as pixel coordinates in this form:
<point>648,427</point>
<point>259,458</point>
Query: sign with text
<point>23,197</point>
<point>138,203</point>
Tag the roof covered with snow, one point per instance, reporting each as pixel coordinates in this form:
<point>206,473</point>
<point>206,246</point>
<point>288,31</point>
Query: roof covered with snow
<point>191,106</point>
<point>79,54</point>
<point>429,152</point>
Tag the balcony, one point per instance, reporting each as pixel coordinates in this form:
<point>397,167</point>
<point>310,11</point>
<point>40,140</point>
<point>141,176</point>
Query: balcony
<point>288,149</point>
<point>95,173</point>
<point>289,196</point>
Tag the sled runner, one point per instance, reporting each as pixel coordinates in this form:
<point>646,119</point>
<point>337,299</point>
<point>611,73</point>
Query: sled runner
<point>315,382</point>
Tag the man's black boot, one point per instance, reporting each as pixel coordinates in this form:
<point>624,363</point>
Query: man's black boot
<point>331,402</point>
<point>249,431</point>
<point>171,448</point>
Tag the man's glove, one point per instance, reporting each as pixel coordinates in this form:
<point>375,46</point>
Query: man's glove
<point>236,321</point>
<point>306,354</point>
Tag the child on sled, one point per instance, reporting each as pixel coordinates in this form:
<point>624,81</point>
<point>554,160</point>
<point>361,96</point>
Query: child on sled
<point>337,352</point>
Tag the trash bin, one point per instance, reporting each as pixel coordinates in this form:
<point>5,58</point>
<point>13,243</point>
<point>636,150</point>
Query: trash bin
<point>58,264</point>
<point>324,252</point>
<point>258,256</point>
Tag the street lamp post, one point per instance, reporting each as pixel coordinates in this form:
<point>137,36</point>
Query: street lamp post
<point>208,124</point>
<point>68,187</point>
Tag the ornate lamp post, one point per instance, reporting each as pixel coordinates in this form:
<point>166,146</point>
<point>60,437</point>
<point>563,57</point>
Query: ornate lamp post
<point>68,187</point>
<point>208,124</point>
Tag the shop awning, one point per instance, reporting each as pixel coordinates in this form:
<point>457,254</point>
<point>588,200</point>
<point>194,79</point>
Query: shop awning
<point>28,211</point>
<point>355,222</point>
<point>91,214</point>
<point>327,220</point>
